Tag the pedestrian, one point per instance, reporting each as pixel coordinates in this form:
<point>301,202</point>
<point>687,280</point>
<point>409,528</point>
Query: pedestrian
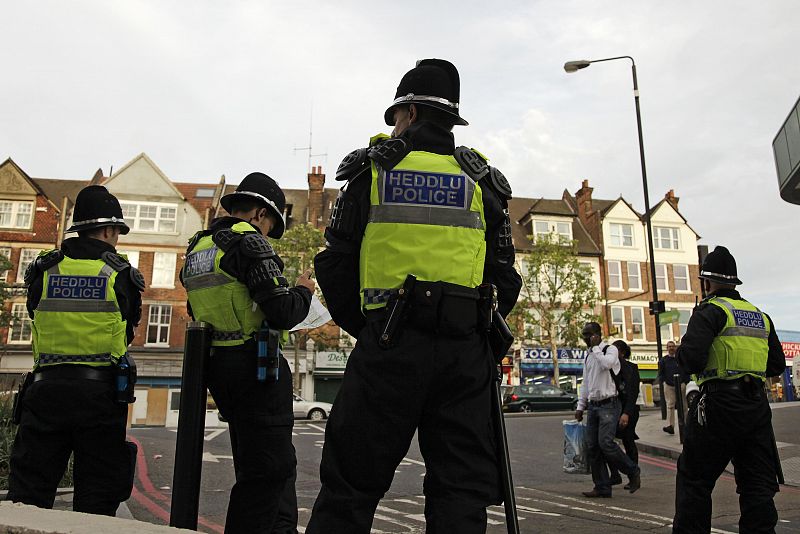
<point>667,369</point>
<point>235,282</point>
<point>600,395</point>
<point>85,302</point>
<point>628,386</point>
<point>731,347</point>
<point>416,205</point>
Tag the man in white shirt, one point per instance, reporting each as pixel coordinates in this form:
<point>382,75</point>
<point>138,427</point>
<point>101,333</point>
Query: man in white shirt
<point>599,394</point>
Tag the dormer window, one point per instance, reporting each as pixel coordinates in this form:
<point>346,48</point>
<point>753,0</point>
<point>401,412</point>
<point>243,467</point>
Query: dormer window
<point>562,228</point>
<point>150,216</point>
<point>16,214</point>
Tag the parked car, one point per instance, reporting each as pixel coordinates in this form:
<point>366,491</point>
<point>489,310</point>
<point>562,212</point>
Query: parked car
<point>692,391</point>
<point>315,411</point>
<point>537,398</point>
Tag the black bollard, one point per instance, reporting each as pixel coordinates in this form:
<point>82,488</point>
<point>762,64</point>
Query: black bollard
<point>191,427</point>
<point>680,402</point>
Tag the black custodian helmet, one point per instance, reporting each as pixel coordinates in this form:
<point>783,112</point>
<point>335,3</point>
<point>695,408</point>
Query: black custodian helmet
<point>720,266</point>
<point>261,187</point>
<point>433,83</point>
<point>95,207</point>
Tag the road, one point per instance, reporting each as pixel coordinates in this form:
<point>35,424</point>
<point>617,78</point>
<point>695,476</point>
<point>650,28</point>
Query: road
<point>549,500</point>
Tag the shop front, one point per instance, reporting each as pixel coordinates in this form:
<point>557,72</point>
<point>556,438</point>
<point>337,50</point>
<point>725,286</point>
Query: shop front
<point>329,369</point>
<point>536,366</point>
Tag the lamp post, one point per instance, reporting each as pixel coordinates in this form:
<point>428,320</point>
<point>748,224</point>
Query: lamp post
<point>656,306</point>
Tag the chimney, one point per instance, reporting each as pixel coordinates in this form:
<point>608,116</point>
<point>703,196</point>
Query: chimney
<point>588,216</point>
<point>316,188</point>
<point>672,199</point>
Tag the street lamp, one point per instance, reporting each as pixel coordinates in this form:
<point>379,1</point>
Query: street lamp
<point>656,306</point>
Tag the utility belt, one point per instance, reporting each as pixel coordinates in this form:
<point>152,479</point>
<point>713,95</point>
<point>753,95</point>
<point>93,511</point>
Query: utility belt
<point>603,402</point>
<point>746,384</point>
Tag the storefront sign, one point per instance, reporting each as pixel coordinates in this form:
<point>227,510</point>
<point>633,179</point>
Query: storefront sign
<point>645,361</point>
<point>331,360</point>
<point>540,358</point>
<point>790,349</point>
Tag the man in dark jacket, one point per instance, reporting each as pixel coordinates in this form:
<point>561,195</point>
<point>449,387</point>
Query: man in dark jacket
<point>731,347</point>
<point>411,207</point>
<point>667,370</point>
<point>85,303</point>
<point>628,384</point>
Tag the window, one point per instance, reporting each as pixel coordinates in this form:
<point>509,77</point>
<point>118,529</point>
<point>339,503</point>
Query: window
<point>20,329</point>
<point>680,274</point>
<point>204,193</point>
<point>683,321</point>
<point>666,333</point>
<point>25,258</point>
<point>637,323</point>
<point>163,269</point>
<point>666,238</point>
<point>150,216</point>
<point>614,275</point>
<point>563,229</point>
<point>15,214</point>
<point>618,320</point>
<point>158,324</point>
<point>132,255</point>
<point>621,235</point>
<point>634,275</point>
<point>661,277</point>
<point>5,252</point>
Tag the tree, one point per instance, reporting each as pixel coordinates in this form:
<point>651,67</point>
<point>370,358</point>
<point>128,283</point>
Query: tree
<point>558,295</point>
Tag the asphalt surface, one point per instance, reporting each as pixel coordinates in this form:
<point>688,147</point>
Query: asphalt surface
<point>548,499</point>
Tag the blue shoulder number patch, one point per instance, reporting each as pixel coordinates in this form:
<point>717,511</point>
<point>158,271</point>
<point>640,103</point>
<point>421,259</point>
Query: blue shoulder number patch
<point>61,286</point>
<point>749,319</point>
<point>414,188</point>
<point>200,262</point>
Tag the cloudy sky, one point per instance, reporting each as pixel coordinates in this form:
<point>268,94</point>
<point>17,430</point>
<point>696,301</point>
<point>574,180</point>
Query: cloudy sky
<point>210,88</point>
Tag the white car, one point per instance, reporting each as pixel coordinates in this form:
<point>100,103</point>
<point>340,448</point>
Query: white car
<point>315,411</point>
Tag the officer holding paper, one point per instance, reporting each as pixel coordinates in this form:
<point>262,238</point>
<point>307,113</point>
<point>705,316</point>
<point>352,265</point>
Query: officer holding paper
<point>731,347</point>
<point>417,236</point>
<point>85,302</point>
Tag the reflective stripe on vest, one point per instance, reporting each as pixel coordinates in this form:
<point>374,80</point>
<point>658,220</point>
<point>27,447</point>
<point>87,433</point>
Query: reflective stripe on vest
<point>741,348</point>
<point>78,319</point>
<point>426,219</point>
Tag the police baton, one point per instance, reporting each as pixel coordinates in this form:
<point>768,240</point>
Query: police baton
<point>191,426</point>
<point>509,499</point>
<point>680,401</point>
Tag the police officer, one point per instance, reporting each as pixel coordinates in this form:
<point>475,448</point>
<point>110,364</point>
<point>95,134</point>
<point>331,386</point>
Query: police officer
<point>235,282</point>
<point>85,302</point>
<point>731,347</point>
<point>414,204</point>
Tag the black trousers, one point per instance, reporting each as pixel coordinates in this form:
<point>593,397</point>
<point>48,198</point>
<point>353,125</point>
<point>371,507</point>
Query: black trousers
<point>628,438</point>
<point>62,416</point>
<point>438,386</point>
<point>738,429</point>
<point>260,420</point>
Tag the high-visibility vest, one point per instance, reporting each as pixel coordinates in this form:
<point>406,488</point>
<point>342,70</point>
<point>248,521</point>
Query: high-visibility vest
<point>426,218</point>
<point>218,298</point>
<point>78,319</point>
<point>741,348</point>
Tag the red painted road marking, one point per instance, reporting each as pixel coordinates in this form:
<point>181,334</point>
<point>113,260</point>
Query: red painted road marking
<point>151,491</point>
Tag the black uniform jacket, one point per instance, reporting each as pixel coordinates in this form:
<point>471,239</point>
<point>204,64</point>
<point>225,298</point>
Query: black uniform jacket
<point>337,267</point>
<point>629,380</point>
<point>285,307</point>
<point>706,323</point>
<point>129,298</point>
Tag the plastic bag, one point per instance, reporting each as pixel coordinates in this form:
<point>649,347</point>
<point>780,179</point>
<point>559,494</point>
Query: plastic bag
<point>576,452</point>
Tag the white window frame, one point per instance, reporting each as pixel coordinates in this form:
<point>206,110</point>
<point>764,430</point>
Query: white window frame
<point>665,278</point>
<point>622,331</point>
<point>669,336</point>
<point>675,278</point>
<point>132,255</point>
<point>135,221</point>
<point>22,265</point>
<point>159,282</point>
<point>670,242</point>
<point>683,326</point>
<point>552,228</point>
<point>5,251</point>
<point>619,275</point>
<point>638,276</point>
<point>642,334</point>
<point>19,311</point>
<point>158,324</point>
<point>16,213</point>
<point>620,235</point>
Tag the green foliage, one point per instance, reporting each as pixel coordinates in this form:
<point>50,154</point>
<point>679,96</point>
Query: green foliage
<point>558,295</point>
<point>297,249</point>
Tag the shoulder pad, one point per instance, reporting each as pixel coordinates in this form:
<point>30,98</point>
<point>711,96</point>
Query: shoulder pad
<point>352,164</point>
<point>115,261</point>
<point>195,238</point>
<point>48,259</point>
<point>499,183</point>
<point>389,153</point>
<point>471,162</point>
<point>226,238</point>
<point>256,246</point>
<point>137,278</point>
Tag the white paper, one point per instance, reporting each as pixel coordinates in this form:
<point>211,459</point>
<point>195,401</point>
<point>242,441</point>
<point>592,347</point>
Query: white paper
<point>317,316</point>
